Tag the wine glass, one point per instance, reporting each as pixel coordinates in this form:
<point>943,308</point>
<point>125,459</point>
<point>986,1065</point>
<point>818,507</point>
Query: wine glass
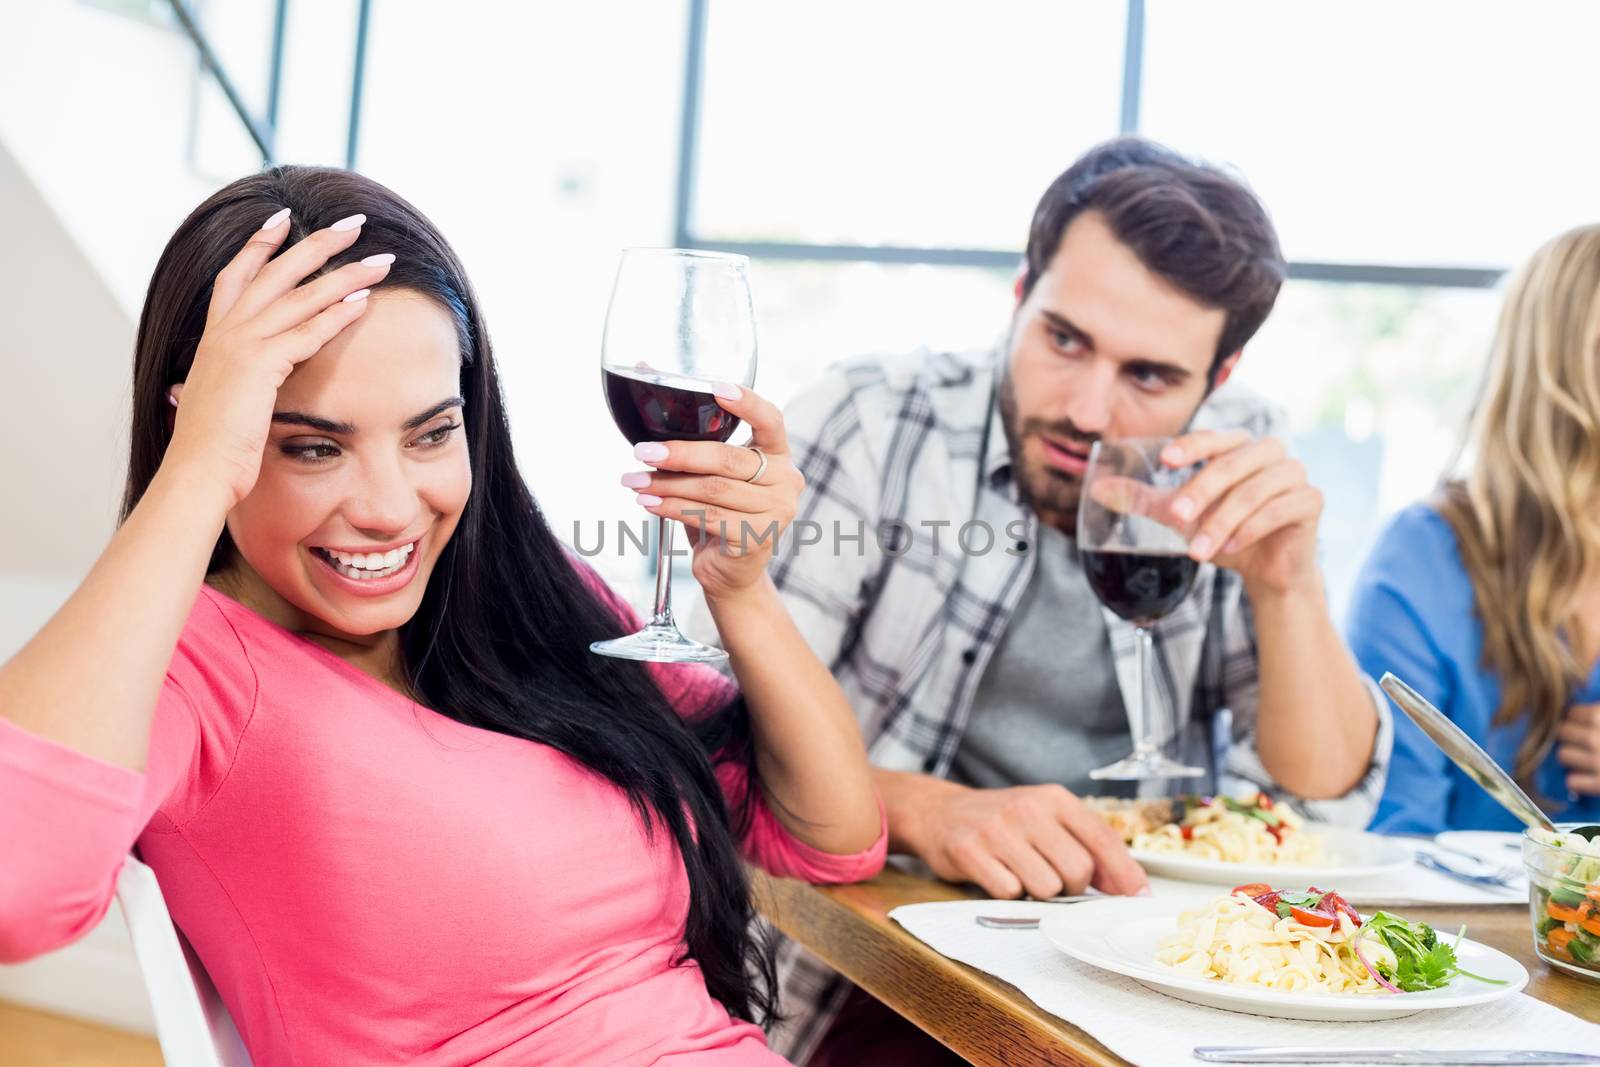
<point>1136,557</point>
<point>679,322</point>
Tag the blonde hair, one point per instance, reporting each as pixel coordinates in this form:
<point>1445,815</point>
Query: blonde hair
<point>1526,514</point>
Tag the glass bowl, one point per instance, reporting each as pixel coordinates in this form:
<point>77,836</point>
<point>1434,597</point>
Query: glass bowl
<point>1564,899</point>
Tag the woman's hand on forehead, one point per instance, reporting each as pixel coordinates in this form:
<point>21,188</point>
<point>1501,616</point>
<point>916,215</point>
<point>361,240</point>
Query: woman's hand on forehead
<point>262,322</point>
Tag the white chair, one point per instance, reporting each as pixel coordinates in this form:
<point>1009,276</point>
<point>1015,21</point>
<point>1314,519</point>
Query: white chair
<point>192,1024</point>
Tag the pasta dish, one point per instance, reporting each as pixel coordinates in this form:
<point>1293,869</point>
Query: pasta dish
<point>1235,939</point>
<point>1311,942</point>
<point>1232,831</point>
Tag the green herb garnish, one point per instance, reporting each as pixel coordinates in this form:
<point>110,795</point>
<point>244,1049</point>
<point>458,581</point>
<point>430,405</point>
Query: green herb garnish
<point>1422,961</point>
<point>1269,817</point>
<point>1303,901</point>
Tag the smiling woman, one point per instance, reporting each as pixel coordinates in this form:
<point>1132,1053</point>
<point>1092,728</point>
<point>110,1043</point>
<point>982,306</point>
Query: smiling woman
<point>332,677</point>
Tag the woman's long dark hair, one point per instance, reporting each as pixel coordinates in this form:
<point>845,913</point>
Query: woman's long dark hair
<point>501,639</point>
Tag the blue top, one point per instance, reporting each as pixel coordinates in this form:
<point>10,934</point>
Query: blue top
<point>1412,612</point>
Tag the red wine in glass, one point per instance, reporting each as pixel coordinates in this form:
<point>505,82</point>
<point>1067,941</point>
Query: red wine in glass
<point>1136,558</point>
<point>690,312</point>
<point>650,406</point>
<point>1139,586</point>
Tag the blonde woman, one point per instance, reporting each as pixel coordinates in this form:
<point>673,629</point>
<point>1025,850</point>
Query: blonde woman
<point>1487,598</point>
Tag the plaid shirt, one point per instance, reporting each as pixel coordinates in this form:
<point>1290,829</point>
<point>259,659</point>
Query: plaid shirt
<point>922,550</point>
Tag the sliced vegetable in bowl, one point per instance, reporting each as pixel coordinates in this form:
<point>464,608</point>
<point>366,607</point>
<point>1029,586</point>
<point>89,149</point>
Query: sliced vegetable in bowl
<point>1564,899</point>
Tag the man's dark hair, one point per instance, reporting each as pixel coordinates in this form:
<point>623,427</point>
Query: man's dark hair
<point>1189,223</point>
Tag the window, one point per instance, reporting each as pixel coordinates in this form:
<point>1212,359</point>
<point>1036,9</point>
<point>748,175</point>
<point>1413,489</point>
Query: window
<point>1376,382</point>
<point>870,307</point>
<point>1361,125</point>
<point>1435,132</point>
<point>897,122</point>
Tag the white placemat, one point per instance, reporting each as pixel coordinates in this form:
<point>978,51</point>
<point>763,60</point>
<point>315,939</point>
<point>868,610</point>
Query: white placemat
<point>1422,885</point>
<point>1146,1027</point>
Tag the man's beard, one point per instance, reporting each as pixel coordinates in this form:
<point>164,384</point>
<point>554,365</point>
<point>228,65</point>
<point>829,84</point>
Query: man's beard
<point>1049,492</point>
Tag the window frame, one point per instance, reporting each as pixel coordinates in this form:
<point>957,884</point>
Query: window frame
<point>686,235</point>
<point>263,128</point>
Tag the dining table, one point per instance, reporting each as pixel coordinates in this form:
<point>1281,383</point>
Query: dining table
<point>988,1021</point>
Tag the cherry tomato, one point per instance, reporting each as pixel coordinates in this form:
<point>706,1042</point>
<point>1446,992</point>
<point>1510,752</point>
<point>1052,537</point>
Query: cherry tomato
<point>1333,904</point>
<point>1312,918</point>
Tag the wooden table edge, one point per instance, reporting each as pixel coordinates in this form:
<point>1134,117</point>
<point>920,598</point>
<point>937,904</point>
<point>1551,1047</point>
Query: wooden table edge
<point>980,1017</point>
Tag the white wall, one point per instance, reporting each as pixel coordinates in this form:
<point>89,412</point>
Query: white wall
<point>65,350</point>
<point>96,107</point>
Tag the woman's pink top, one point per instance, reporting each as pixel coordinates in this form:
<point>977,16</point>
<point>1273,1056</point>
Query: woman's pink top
<point>368,881</point>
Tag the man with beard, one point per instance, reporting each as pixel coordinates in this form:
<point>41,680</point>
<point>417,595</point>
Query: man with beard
<point>987,678</point>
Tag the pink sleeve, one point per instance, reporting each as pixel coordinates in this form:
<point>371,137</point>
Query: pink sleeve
<point>693,690</point>
<point>67,819</point>
<point>769,844</point>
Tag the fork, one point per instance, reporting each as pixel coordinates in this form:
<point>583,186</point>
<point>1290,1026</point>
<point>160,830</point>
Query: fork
<point>1504,878</point>
<point>1030,922</point>
<point>1009,922</point>
<point>1503,870</point>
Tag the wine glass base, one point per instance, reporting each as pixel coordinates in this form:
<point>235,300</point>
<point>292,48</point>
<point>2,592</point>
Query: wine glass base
<point>659,644</point>
<point>1144,766</point>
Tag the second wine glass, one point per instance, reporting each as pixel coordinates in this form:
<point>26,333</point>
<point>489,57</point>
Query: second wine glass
<point>680,321</point>
<point>1137,561</point>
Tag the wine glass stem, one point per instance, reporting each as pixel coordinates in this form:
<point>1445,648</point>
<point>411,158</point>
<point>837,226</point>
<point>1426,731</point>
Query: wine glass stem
<point>1143,742</point>
<point>663,615</point>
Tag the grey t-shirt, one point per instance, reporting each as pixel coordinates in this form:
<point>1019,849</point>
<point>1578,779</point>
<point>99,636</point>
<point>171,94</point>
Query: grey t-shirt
<point>1048,708</point>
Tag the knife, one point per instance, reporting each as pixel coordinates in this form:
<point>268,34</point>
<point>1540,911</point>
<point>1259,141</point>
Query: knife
<point>1306,1054</point>
<point>1466,754</point>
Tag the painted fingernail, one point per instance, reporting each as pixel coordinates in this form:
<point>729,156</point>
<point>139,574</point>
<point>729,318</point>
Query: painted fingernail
<point>636,480</point>
<point>650,451</point>
<point>278,218</point>
<point>727,391</point>
<point>1200,547</point>
<point>349,223</point>
<point>1232,545</point>
<point>1172,454</point>
<point>1183,507</point>
<point>382,259</point>
<point>647,500</point>
<point>1144,891</point>
<point>359,294</point>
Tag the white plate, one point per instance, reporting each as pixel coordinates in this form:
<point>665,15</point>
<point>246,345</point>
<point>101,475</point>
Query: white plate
<point>1120,935</point>
<point>1350,854</point>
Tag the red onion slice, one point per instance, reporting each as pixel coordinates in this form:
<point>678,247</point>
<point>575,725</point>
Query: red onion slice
<point>1355,943</point>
